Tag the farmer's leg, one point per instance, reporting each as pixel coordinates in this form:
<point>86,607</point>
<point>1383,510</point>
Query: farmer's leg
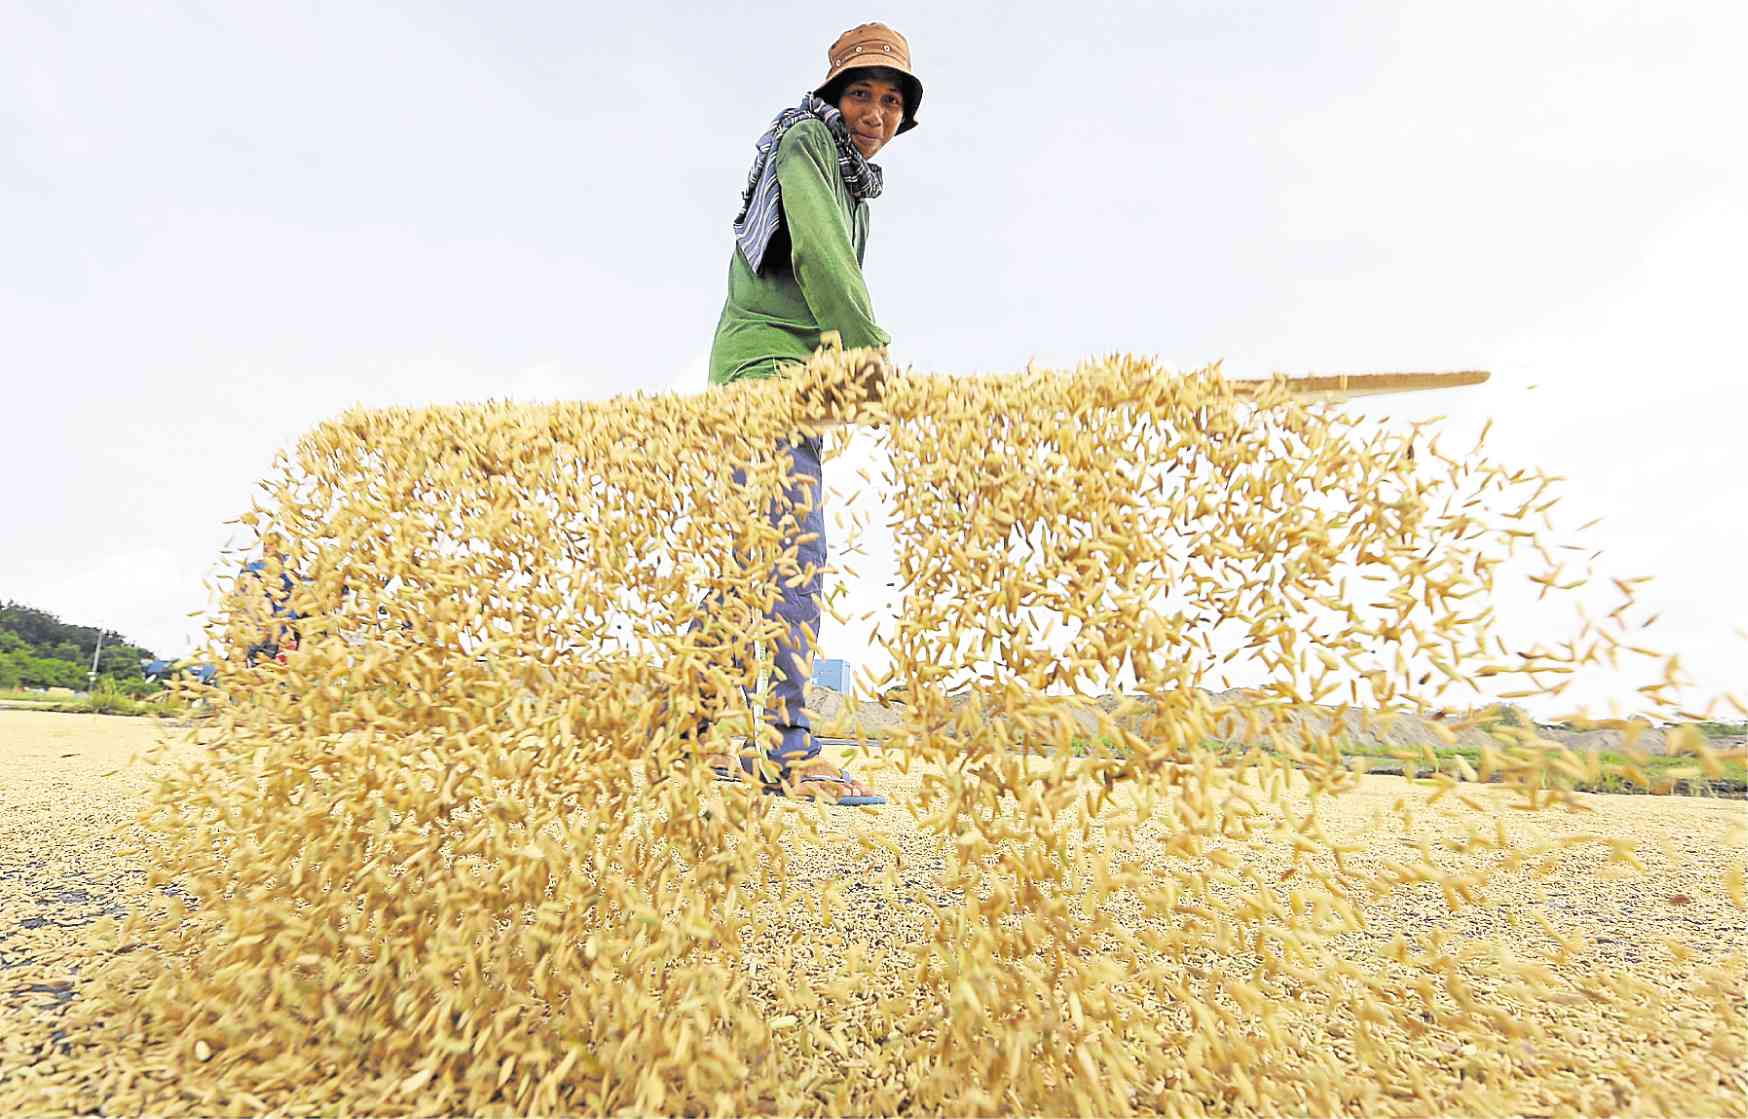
<point>799,604</point>
<point>802,483</point>
<point>799,608</point>
<point>800,601</point>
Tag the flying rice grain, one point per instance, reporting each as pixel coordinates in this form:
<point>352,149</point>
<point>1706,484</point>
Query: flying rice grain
<point>509,829</point>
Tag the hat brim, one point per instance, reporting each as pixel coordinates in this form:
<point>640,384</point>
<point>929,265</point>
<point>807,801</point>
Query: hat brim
<point>913,87</point>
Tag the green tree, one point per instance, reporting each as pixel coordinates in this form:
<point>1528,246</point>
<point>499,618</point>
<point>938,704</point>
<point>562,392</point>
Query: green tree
<point>121,661</point>
<point>47,672</point>
<point>48,652</point>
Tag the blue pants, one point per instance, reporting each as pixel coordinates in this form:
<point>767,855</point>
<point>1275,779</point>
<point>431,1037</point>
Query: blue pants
<point>798,607</point>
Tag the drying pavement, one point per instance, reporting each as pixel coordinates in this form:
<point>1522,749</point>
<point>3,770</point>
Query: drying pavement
<point>68,796</point>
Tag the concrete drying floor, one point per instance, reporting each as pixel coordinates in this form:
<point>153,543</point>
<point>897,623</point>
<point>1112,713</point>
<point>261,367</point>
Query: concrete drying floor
<point>67,796</point>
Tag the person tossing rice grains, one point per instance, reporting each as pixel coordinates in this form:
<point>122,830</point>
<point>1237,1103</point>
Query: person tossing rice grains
<point>794,280</point>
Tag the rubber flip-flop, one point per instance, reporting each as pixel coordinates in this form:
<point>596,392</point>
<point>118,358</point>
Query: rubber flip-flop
<point>843,777</point>
<point>786,776</point>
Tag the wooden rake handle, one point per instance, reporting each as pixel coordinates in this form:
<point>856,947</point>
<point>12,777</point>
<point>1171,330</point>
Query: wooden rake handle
<point>1316,388</point>
<point>1325,387</point>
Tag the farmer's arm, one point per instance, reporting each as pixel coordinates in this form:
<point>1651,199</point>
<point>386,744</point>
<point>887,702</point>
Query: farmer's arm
<point>823,255</point>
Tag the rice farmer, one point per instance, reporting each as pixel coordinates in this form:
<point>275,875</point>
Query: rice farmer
<point>796,276</point>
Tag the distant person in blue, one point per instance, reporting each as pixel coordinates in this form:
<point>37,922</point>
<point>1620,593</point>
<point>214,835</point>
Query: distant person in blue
<point>280,639</point>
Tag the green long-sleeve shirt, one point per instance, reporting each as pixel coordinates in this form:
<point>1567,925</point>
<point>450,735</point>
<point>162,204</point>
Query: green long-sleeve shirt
<point>778,316</point>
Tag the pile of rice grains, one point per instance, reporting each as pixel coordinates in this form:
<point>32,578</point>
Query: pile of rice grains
<point>454,855</point>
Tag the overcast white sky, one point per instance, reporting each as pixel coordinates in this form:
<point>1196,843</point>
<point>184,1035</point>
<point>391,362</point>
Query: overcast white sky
<point>222,224</point>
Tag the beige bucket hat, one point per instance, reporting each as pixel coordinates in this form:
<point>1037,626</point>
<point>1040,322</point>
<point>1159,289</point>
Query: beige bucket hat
<point>872,44</point>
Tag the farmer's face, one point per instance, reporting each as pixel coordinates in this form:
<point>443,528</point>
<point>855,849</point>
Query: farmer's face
<point>873,108</point>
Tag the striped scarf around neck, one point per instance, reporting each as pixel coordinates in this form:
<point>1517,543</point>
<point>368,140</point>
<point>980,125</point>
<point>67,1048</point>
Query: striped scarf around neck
<point>761,210</point>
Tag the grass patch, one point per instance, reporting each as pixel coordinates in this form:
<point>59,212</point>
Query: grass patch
<point>1662,773</point>
<point>1103,745</point>
<point>107,699</point>
<point>1733,778</point>
<point>1673,773</point>
<point>1713,729</point>
<point>25,695</point>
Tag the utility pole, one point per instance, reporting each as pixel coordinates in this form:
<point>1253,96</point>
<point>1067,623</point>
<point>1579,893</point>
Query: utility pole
<point>91,677</point>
